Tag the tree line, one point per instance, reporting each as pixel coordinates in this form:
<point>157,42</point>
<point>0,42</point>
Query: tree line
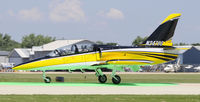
<point>28,41</point>
<point>138,40</point>
<point>8,44</point>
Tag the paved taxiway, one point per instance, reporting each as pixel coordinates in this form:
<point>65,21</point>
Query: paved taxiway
<point>181,89</point>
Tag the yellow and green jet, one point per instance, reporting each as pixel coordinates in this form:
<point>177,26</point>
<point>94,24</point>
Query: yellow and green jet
<point>156,49</point>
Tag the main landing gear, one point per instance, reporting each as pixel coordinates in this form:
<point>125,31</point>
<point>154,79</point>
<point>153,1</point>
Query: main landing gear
<point>46,79</point>
<point>116,79</point>
<point>103,78</point>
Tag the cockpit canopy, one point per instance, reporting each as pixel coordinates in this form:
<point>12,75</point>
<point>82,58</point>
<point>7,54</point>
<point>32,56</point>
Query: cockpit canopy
<point>83,48</point>
<point>72,49</point>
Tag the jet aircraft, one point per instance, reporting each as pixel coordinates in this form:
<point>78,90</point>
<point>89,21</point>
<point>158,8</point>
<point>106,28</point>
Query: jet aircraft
<point>156,49</point>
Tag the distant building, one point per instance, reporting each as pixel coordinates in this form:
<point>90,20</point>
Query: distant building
<point>4,56</point>
<point>4,60</point>
<point>181,50</point>
<point>41,51</point>
<point>192,56</point>
<point>20,55</point>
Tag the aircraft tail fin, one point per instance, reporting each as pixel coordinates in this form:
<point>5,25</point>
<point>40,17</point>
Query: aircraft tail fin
<point>162,36</point>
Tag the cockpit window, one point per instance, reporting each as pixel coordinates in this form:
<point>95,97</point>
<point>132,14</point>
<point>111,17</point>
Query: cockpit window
<point>84,48</point>
<point>71,49</point>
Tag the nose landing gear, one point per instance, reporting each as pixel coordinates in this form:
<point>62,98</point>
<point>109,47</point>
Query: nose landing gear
<point>46,79</point>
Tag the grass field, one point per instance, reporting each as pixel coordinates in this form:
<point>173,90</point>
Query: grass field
<point>91,78</point>
<point>99,98</point>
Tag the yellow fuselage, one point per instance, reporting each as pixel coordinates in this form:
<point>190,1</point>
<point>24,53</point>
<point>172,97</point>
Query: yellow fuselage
<point>131,56</point>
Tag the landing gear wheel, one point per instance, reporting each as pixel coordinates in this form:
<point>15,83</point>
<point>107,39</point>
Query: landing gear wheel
<point>117,80</point>
<point>102,78</point>
<point>47,80</point>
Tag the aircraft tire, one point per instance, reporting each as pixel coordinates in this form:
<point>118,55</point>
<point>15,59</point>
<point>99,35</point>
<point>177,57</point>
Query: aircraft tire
<point>116,81</point>
<point>102,78</point>
<point>47,80</point>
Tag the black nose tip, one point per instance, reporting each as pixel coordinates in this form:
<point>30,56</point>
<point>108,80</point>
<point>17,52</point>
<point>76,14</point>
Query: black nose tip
<point>38,59</point>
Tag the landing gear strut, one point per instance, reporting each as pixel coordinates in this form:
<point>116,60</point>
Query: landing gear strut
<point>101,77</point>
<point>115,78</point>
<point>46,79</point>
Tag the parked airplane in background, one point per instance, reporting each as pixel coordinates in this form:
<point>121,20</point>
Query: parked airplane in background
<point>156,49</point>
<point>173,67</point>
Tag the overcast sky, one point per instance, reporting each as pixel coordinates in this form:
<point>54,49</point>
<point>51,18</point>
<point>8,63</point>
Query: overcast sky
<point>105,20</point>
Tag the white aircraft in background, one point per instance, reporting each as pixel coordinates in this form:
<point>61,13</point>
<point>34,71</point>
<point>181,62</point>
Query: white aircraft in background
<point>173,67</point>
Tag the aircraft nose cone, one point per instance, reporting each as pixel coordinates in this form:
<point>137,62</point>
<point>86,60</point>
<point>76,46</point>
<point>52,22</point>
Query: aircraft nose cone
<point>18,67</point>
<point>27,65</point>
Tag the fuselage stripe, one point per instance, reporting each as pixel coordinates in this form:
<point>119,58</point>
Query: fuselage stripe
<point>134,60</point>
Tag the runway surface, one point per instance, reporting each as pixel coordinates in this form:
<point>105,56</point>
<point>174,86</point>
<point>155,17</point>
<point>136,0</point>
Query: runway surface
<point>97,88</point>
